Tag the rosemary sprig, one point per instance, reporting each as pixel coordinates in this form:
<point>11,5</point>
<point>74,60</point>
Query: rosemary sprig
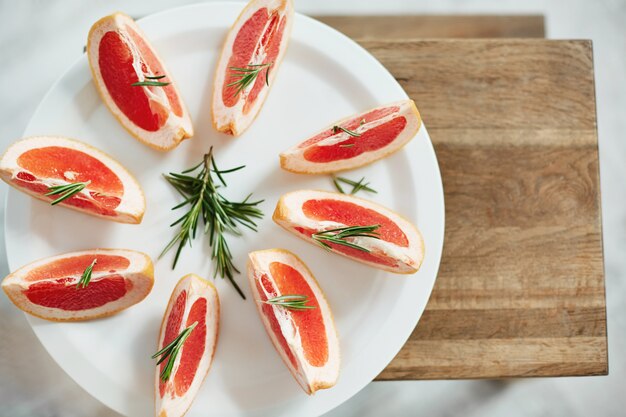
<point>291,301</point>
<point>246,75</point>
<point>352,133</point>
<point>86,277</point>
<point>339,235</point>
<point>66,191</point>
<point>356,186</point>
<point>170,352</point>
<point>218,214</point>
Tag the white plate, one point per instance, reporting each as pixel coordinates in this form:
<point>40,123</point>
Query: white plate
<point>325,76</point>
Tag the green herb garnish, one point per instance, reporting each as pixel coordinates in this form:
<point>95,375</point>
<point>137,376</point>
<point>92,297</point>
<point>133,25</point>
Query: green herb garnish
<point>356,186</point>
<point>170,352</point>
<point>219,214</point>
<point>66,191</point>
<point>86,277</point>
<point>150,83</point>
<point>352,133</point>
<point>291,301</point>
<point>246,75</point>
<point>340,235</point>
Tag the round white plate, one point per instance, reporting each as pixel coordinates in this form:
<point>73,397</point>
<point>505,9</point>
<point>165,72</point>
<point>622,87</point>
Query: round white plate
<point>325,76</point>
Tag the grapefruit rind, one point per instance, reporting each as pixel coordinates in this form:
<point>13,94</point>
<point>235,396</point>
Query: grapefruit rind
<point>176,128</point>
<point>289,215</point>
<point>293,159</point>
<point>133,203</point>
<point>140,272</point>
<point>196,288</point>
<point>310,378</point>
<point>233,121</point>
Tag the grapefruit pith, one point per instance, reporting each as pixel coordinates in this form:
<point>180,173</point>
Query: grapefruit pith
<point>37,164</point>
<point>49,288</point>
<point>398,246</point>
<point>251,55</point>
<point>193,300</point>
<point>355,141</point>
<point>306,339</point>
<point>152,109</point>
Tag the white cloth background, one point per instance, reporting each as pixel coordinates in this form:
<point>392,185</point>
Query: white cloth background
<point>38,41</point>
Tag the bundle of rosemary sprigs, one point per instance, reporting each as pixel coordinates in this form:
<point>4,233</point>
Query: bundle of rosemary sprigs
<point>219,215</point>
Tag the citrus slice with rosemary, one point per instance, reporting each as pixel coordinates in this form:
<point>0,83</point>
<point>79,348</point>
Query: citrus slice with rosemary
<point>186,344</point>
<point>81,285</point>
<point>73,174</point>
<point>350,226</point>
<point>135,85</point>
<point>296,316</point>
<point>355,141</point>
<point>251,55</point>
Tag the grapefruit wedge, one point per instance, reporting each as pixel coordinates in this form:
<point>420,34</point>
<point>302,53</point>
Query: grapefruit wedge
<point>194,304</point>
<point>251,55</point>
<point>152,109</point>
<point>355,141</point>
<point>55,289</point>
<point>320,217</point>
<point>106,189</point>
<point>305,337</point>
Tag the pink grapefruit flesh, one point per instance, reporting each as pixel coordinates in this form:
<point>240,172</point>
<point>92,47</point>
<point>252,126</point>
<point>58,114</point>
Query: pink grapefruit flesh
<point>65,164</point>
<point>399,249</point>
<point>120,56</point>
<point>48,288</point>
<point>193,349</point>
<point>259,37</point>
<point>305,339</point>
<point>172,329</point>
<point>193,300</point>
<point>367,137</point>
<point>116,65</point>
<point>346,212</point>
<point>35,165</point>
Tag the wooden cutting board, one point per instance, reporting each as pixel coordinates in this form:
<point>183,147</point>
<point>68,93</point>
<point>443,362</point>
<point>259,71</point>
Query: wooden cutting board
<point>520,290</point>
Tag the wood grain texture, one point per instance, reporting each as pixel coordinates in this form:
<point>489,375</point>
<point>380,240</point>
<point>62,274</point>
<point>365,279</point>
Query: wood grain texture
<point>520,290</point>
<point>438,26</point>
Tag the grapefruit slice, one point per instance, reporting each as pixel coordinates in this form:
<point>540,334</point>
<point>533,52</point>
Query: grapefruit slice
<point>49,288</point>
<point>355,141</point>
<point>306,339</point>
<point>251,55</point>
<point>194,300</point>
<point>398,246</point>
<point>120,56</point>
<point>34,165</point>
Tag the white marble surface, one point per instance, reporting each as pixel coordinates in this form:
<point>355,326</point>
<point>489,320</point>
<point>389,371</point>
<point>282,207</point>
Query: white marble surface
<point>39,39</point>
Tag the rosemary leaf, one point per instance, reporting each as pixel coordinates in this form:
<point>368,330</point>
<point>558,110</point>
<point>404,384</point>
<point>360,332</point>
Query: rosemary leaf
<point>291,301</point>
<point>356,185</point>
<point>352,133</point>
<point>86,277</point>
<point>337,185</point>
<point>150,84</point>
<point>66,191</point>
<point>246,75</point>
<point>339,235</point>
<point>170,352</point>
